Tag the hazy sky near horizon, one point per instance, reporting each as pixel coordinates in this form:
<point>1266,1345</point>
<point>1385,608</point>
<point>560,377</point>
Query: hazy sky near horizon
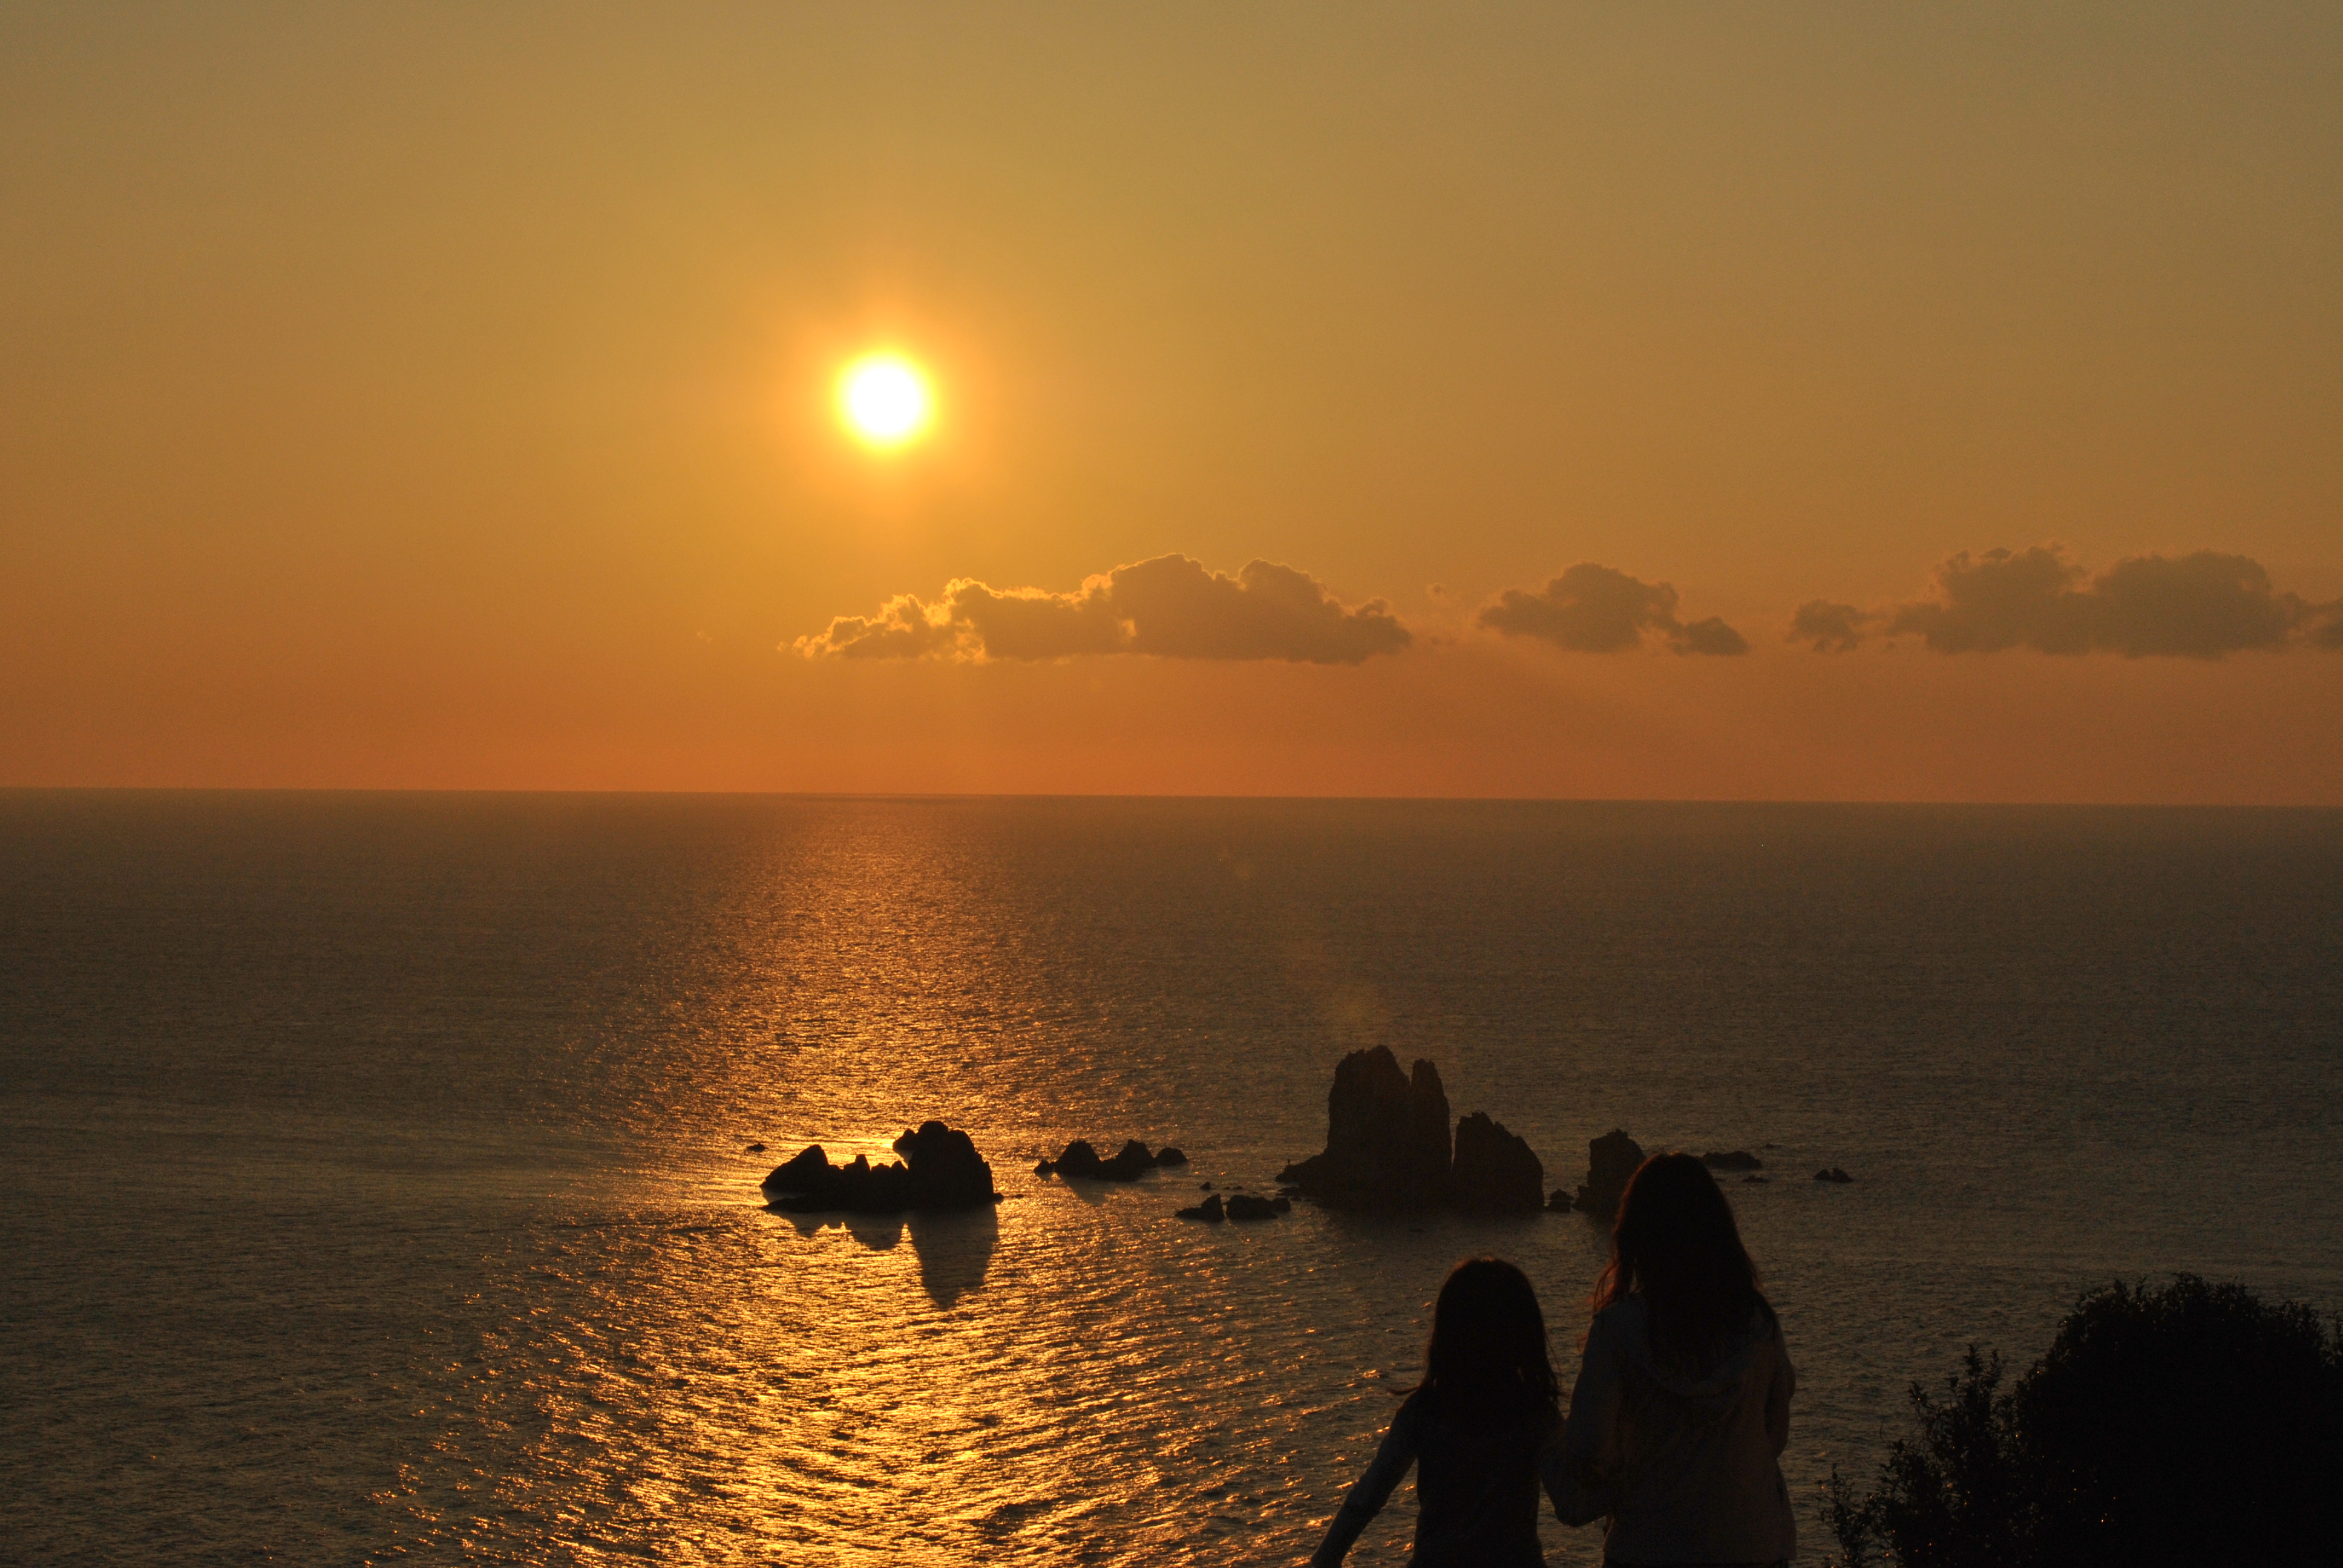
<point>1624,400</point>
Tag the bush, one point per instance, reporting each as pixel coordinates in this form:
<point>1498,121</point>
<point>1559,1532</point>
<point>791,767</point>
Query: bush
<point>2192,1424</point>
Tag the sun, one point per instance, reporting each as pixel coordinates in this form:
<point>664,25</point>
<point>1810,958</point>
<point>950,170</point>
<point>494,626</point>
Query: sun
<point>885,400</point>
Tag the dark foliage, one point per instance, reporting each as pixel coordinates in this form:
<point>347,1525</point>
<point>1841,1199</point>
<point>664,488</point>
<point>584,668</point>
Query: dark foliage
<point>2191,1425</point>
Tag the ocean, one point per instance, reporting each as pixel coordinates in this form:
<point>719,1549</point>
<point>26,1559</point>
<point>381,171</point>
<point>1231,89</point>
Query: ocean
<point>378,1190</point>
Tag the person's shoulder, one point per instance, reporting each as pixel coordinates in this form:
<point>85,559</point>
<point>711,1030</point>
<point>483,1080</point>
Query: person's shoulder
<point>1627,1320</point>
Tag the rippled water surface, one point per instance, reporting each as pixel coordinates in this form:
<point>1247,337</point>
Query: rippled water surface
<point>377,1184</point>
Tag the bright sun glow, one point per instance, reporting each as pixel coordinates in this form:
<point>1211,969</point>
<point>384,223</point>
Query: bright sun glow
<point>885,399</point>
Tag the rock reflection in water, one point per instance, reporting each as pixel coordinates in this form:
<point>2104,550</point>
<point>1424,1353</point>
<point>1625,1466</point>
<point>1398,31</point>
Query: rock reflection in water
<point>954,1251</point>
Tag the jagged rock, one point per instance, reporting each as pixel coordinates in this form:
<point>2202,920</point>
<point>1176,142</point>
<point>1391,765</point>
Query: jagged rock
<point>1131,1161</point>
<point>1210,1209</point>
<point>1834,1174</point>
<point>1495,1171</point>
<point>1386,1137</point>
<point>1611,1160</point>
<point>1245,1206</point>
<point>1738,1160</point>
<point>943,1172</point>
<point>801,1173</point>
<point>947,1172</point>
<point>1169,1154</point>
<point>1082,1161</point>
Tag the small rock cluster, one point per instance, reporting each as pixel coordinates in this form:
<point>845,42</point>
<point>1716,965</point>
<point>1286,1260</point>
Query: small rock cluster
<point>1130,1162</point>
<point>941,1169</point>
<point>1832,1173</point>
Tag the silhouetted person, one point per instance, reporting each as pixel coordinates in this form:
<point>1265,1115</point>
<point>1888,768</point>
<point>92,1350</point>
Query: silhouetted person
<point>1682,1403</point>
<point>1475,1426</point>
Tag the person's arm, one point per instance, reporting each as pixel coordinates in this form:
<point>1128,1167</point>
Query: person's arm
<point>1777,1394</point>
<point>1374,1488</point>
<point>1580,1465</point>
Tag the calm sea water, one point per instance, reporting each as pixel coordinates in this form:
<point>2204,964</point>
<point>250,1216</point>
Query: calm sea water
<point>376,1182</point>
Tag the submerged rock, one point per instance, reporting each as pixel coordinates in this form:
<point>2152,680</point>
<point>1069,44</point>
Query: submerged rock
<point>1387,1144</point>
<point>1832,1173</point>
<point>941,1170</point>
<point>1210,1209</point>
<point>1495,1171</point>
<point>1610,1161</point>
<point>1738,1160</point>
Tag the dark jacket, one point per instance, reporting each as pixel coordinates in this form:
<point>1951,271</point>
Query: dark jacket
<point>1476,1490</point>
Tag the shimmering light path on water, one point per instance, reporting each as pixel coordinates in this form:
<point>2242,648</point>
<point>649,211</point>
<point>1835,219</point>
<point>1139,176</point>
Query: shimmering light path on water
<point>378,1187</point>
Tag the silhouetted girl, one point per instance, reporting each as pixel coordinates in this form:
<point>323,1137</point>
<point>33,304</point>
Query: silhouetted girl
<point>1682,1403</point>
<point>1488,1401</point>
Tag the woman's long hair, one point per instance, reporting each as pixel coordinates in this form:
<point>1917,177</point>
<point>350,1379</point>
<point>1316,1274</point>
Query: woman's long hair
<point>1677,1245</point>
<point>1487,1357</point>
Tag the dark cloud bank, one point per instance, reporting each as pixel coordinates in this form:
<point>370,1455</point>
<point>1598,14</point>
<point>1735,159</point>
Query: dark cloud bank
<point>2199,606</point>
<point>1175,607</point>
<point>1592,609</point>
<point>1171,607</point>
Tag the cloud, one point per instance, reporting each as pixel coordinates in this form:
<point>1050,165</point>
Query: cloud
<point>1592,609</point>
<point>1169,606</point>
<point>2198,606</point>
<point>1829,627</point>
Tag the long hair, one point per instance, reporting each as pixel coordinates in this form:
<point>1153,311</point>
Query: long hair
<point>1675,1244</point>
<point>1486,1360</point>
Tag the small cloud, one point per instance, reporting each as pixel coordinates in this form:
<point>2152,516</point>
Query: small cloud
<point>2199,606</point>
<point>1169,606</point>
<point>1829,627</point>
<point>903,628</point>
<point>1710,635</point>
<point>1592,608</point>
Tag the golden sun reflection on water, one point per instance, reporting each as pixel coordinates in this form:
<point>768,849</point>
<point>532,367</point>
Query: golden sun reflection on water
<point>1076,1377</point>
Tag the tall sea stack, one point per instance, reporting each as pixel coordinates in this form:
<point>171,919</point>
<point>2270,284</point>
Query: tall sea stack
<point>1386,1137</point>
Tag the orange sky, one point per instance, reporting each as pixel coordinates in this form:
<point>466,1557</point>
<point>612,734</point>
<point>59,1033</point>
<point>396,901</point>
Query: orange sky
<point>440,397</point>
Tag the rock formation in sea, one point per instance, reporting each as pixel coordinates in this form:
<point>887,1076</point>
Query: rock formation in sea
<point>1495,1171</point>
<point>1209,1210</point>
<point>1386,1137</point>
<point>1737,1159</point>
<point>1245,1206</point>
<point>1132,1161</point>
<point>1611,1160</point>
<point>941,1169</point>
<point>1832,1173</point>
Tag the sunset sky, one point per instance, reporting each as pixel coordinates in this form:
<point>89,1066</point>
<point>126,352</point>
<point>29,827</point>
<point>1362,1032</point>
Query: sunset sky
<point>1619,401</point>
